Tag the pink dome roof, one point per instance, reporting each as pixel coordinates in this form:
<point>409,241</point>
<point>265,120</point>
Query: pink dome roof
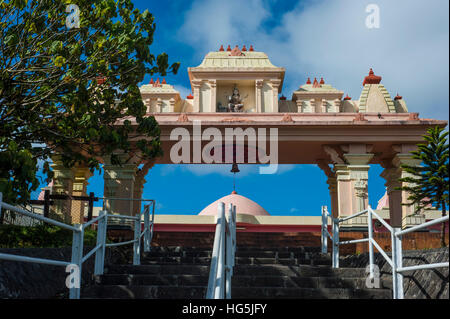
<point>243,206</point>
<point>383,202</point>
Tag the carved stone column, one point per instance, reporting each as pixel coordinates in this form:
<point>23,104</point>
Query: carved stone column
<point>359,176</point>
<point>258,90</point>
<point>332,186</point>
<point>275,87</point>
<point>119,183</point>
<point>62,184</point>
<point>139,183</point>
<point>196,84</point>
<point>392,173</point>
<point>351,169</point>
<point>172,105</point>
<point>299,106</point>
<point>213,85</point>
<point>159,104</point>
<point>81,177</point>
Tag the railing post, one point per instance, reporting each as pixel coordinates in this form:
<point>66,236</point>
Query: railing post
<point>229,252</point>
<point>324,237</point>
<point>397,260</point>
<point>77,257</point>
<point>137,241</point>
<point>101,240</point>
<point>370,233</point>
<point>212,280</point>
<point>234,235</point>
<point>219,286</point>
<point>335,261</point>
<point>147,229</point>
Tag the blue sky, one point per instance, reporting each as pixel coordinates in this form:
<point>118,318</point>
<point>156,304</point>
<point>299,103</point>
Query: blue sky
<point>310,39</point>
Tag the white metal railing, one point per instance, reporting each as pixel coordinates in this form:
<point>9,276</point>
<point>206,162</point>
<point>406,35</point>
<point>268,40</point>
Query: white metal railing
<point>396,259</point>
<point>222,259</point>
<point>78,259</point>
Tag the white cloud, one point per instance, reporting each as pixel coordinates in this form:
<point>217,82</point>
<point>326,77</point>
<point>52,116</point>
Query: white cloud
<point>329,39</point>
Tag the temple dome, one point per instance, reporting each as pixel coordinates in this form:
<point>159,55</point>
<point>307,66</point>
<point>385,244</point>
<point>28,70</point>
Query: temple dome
<point>242,203</point>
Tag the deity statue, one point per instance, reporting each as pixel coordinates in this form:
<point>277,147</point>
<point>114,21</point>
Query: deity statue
<point>235,102</point>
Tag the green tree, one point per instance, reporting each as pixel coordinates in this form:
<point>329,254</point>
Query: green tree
<point>53,94</point>
<point>429,182</point>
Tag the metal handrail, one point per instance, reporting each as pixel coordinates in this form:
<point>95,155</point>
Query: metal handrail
<point>223,255</point>
<point>77,241</point>
<point>396,259</point>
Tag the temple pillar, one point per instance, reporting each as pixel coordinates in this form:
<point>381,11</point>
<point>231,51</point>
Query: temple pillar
<point>258,88</point>
<point>392,173</point>
<point>213,85</point>
<point>275,87</point>
<point>159,104</point>
<point>196,85</point>
<point>119,183</point>
<point>172,105</point>
<point>62,184</point>
<point>332,187</point>
<point>80,182</point>
<point>139,183</point>
<point>357,196</point>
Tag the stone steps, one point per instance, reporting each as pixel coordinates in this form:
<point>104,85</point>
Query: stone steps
<point>237,281</point>
<point>238,261</point>
<point>182,273</point>
<point>248,254</point>
<point>194,292</point>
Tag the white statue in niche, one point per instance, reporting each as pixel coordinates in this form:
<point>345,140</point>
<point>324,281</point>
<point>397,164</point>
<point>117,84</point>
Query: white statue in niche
<point>235,102</point>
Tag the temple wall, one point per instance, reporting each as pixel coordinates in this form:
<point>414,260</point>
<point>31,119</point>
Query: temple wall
<point>287,106</point>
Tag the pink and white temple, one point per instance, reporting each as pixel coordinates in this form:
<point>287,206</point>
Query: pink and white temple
<point>241,88</point>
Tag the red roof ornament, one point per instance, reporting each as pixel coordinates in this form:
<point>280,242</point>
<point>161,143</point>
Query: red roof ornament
<point>251,48</point>
<point>229,48</point>
<point>322,81</point>
<point>347,98</point>
<point>398,97</point>
<point>372,78</point>
<point>151,81</point>
<point>315,83</point>
<point>190,97</point>
<point>308,81</point>
<point>221,48</point>
<point>244,48</point>
<point>164,81</point>
<point>236,52</point>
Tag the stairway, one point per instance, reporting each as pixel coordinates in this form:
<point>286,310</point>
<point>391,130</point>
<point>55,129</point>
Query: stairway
<point>182,273</point>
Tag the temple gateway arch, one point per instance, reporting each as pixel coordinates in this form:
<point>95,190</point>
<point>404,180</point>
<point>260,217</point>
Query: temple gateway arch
<point>240,88</point>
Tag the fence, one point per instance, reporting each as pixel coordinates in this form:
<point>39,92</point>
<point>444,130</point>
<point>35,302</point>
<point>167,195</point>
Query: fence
<point>78,259</point>
<point>222,261</point>
<point>396,259</point>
